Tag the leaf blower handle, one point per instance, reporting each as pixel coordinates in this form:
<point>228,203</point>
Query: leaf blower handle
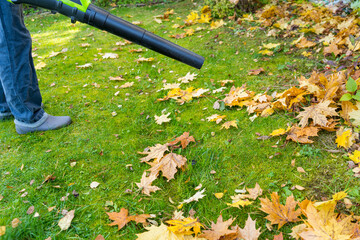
<point>85,12</point>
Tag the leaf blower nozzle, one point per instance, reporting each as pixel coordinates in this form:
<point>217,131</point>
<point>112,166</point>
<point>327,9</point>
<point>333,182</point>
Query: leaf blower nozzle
<point>85,12</point>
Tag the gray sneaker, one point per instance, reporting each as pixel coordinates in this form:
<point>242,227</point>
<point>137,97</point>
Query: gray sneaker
<point>47,122</point>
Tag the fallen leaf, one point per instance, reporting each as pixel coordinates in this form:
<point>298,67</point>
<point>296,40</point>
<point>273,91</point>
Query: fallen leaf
<point>189,77</point>
<point>186,226</point>
<point>163,118</point>
<point>229,124</point>
<point>86,65</point>
<point>220,230</point>
<point>15,223</point>
<point>317,112</point>
<point>94,185</point>
<point>65,222</point>
<point>185,139</point>
<point>30,210</point>
<point>145,184</point>
<point>110,55</point>
<point>159,233</point>
<point>3,230</point>
<point>249,232</point>
<point>278,213</point>
<point>256,71</point>
<point>121,218</point>
<point>198,195</point>
<point>156,152</point>
<point>167,165</point>
<point>40,66</point>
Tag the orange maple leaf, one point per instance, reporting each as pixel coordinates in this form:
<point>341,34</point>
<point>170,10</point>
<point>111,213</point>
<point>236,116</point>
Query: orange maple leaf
<point>278,213</point>
<point>185,139</point>
<point>121,218</point>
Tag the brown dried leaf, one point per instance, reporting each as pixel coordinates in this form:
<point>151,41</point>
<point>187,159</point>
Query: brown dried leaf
<point>220,230</point>
<point>167,165</point>
<point>185,139</point>
<point>278,213</point>
<point>145,184</point>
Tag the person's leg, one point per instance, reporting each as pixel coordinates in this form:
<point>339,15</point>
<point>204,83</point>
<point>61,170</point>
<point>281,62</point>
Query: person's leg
<point>17,72</point>
<point>5,112</point>
<point>18,76</point>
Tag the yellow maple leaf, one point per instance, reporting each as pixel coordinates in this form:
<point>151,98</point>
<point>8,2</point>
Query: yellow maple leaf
<point>205,18</point>
<point>217,24</point>
<point>186,226</point>
<point>266,52</point>
<point>344,138</point>
<point>355,157</point>
<point>192,18</point>
<point>228,124</point>
<point>241,203</point>
<point>219,195</point>
<point>271,45</point>
<point>159,233</point>
<point>323,224</point>
<point>278,132</point>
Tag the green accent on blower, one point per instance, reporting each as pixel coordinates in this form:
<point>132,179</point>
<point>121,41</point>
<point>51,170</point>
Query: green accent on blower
<point>82,5</point>
<point>73,3</point>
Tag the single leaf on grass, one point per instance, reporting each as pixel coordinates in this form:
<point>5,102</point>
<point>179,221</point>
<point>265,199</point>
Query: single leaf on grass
<point>256,71</point>
<point>278,132</point>
<point>145,184</point>
<point>355,156</point>
<point>65,222</point>
<point>2,230</point>
<point>15,222</point>
<point>156,152</point>
<point>189,77</point>
<point>220,230</point>
<point>185,139</point>
<point>186,226</point>
<point>229,124</point>
<point>40,66</point>
<point>110,55</point>
<point>198,195</point>
<point>86,65</point>
<point>127,85</point>
<point>167,165</point>
<point>278,213</point>
<point>317,112</point>
<point>249,232</point>
<point>121,218</point>
<point>163,118</point>
<point>345,138</point>
<point>142,59</point>
<point>216,118</point>
<point>240,202</point>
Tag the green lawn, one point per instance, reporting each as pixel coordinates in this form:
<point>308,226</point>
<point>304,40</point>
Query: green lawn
<point>103,145</point>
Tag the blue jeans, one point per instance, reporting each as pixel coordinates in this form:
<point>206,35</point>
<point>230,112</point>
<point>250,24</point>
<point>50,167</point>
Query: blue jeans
<point>19,89</point>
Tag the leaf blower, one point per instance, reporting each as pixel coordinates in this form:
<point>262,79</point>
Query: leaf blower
<point>85,12</point>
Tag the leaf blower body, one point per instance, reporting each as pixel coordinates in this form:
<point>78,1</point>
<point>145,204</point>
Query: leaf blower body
<point>85,12</point>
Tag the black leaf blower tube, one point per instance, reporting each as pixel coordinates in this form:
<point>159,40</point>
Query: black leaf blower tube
<point>85,12</point>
